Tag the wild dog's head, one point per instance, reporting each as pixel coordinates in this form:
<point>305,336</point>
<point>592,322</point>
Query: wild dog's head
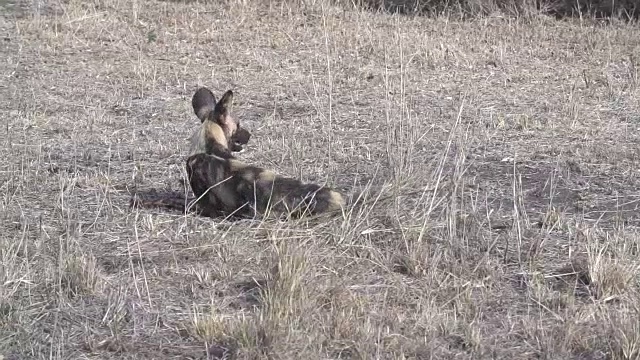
<point>218,124</point>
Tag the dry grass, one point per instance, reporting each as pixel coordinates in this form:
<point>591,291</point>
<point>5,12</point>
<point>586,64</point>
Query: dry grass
<point>498,158</point>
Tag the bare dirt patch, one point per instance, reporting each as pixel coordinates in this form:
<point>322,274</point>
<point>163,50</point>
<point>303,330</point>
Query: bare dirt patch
<point>498,158</point>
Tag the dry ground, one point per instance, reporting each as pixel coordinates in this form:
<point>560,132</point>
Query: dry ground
<point>499,159</point>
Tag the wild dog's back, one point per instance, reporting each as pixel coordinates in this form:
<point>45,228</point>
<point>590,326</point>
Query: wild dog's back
<point>212,183</point>
<point>263,188</point>
<point>292,196</point>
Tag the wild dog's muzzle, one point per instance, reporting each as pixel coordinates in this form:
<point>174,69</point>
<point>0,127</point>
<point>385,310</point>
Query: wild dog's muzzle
<point>239,138</point>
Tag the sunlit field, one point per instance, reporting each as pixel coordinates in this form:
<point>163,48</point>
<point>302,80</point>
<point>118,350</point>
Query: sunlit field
<point>496,163</point>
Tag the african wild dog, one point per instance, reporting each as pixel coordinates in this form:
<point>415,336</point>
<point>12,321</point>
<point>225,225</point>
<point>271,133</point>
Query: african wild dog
<point>214,132</point>
<point>226,186</point>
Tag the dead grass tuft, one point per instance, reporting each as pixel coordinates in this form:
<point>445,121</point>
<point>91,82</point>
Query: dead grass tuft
<point>613,272</point>
<point>210,327</point>
<point>80,275</point>
<point>625,335</point>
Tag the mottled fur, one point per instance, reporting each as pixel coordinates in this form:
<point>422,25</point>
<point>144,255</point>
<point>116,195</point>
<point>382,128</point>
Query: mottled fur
<point>225,186</point>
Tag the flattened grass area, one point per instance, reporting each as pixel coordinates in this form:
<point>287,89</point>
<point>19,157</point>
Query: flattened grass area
<point>497,158</point>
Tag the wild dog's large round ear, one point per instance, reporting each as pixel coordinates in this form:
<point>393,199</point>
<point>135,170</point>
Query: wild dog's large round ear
<point>203,103</point>
<point>223,107</point>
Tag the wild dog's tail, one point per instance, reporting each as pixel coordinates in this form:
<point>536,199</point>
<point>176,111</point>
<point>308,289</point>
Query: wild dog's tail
<point>328,200</point>
<point>173,200</point>
<point>336,200</point>
<point>203,103</point>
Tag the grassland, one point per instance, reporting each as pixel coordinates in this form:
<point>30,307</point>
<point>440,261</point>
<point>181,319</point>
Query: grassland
<point>498,158</point>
